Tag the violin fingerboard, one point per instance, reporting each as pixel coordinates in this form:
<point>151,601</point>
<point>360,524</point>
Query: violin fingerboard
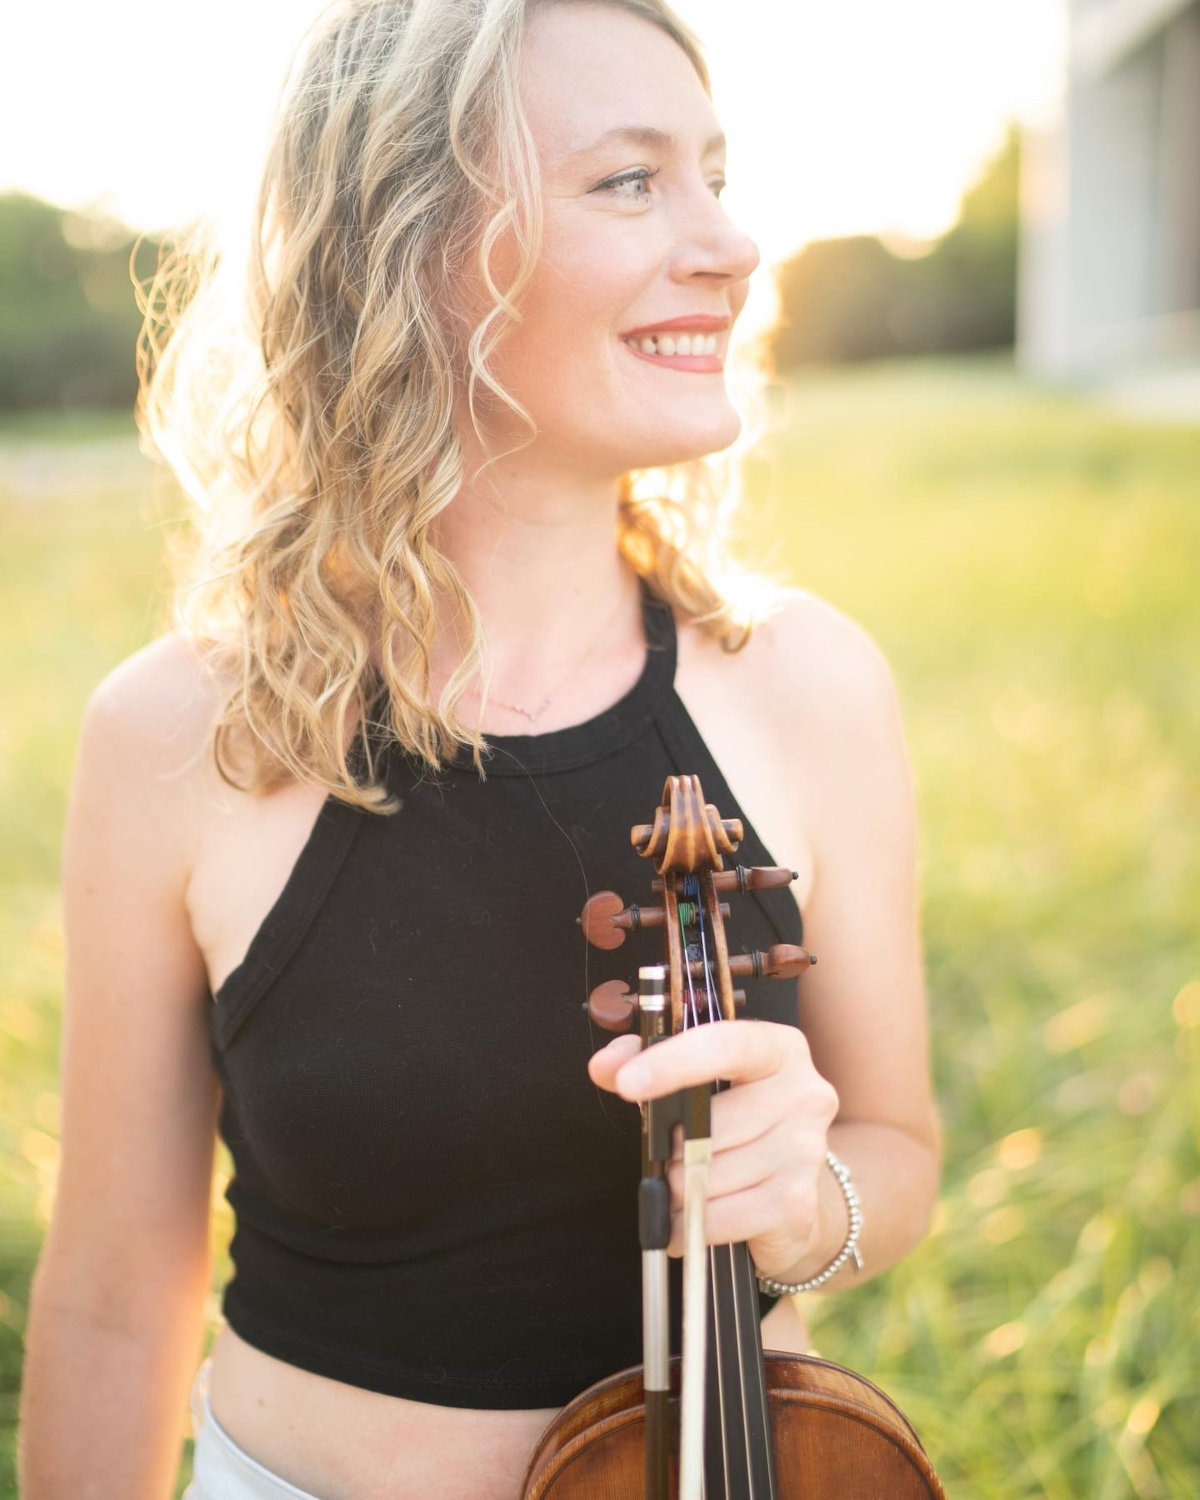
<point>738,1460</point>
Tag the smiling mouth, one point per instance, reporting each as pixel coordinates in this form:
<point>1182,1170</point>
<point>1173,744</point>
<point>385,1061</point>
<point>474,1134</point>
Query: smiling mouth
<point>663,349</point>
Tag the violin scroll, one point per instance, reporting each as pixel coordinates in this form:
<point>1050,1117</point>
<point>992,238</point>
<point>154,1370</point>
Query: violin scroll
<point>688,834</point>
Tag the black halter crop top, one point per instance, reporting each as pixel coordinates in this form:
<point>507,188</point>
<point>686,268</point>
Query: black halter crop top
<point>431,1197</point>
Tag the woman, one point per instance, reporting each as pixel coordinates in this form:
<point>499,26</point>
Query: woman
<point>443,653</point>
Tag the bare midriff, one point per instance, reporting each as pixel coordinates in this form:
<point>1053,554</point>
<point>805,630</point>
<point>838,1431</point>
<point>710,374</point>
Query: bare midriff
<point>341,1442</point>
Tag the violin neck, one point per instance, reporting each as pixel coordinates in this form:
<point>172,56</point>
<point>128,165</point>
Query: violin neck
<point>738,1458</point>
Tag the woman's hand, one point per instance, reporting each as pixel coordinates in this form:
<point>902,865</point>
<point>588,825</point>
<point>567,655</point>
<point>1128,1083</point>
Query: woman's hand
<point>769,1130</point>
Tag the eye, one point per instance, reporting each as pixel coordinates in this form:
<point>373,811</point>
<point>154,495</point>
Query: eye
<point>639,175</point>
<point>643,175</point>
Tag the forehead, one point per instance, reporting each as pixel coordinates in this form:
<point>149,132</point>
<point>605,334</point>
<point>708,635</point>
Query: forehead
<point>589,69</point>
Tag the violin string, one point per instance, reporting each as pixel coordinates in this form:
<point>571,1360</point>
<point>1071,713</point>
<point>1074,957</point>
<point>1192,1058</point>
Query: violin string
<point>693,888</point>
<point>708,985</point>
<point>691,1017</point>
<point>694,908</point>
<point>687,966</point>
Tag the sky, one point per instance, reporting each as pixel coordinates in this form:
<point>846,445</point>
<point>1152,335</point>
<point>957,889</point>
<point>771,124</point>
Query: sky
<point>864,116</point>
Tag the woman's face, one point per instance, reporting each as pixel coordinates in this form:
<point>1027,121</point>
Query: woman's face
<point>618,255</point>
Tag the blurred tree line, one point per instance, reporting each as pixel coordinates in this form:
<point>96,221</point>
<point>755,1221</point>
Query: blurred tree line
<point>69,318</point>
<point>853,298</point>
<point>68,315</point>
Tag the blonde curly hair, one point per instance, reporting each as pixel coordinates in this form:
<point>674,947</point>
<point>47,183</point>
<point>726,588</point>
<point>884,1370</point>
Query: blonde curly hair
<point>300,390</point>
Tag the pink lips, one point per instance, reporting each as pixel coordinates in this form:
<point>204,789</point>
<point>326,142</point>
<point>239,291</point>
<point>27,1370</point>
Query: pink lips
<point>699,322</point>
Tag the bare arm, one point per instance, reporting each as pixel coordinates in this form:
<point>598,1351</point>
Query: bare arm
<point>116,1316</point>
<point>863,1006</point>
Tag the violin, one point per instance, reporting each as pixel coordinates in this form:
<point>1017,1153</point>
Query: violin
<point>725,1419</point>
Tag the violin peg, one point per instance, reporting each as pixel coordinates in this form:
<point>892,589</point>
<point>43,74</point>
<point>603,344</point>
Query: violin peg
<point>763,877</point>
<point>745,878</point>
<point>597,920</point>
<point>785,960</point>
<point>739,998</point>
<point>605,921</point>
<point>611,1005</point>
<point>781,961</point>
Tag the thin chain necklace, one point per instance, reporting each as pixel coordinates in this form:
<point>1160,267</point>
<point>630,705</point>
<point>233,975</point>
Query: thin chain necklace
<point>533,714</point>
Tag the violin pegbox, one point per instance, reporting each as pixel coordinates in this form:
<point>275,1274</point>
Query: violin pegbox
<point>688,841</point>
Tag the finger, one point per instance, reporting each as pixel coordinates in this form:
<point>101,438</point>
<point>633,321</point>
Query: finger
<point>739,1051</point>
<point>742,1114</point>
<point>741,1167</point>
<point>753,1214</point>
<point>604,1065</point>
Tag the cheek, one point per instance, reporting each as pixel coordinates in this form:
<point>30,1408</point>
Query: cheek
<point>563,362</point>
<point>583,289</point>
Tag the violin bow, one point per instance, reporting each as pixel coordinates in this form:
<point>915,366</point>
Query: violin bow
<point>689,841</point>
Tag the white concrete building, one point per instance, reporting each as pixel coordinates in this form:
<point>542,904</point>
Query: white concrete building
<point>1109,283</point>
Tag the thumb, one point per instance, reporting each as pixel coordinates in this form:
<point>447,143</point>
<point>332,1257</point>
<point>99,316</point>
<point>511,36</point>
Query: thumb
<point>604,1065</point>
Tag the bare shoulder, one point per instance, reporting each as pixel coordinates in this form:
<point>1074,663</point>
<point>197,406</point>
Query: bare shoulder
<point>164,691</point>
<point>821,657</point>
<point>145,729</point>
<point>808,670</point>
<point>835,698</point>
<point>800,719</point>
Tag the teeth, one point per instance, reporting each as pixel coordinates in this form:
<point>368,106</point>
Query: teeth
<point>676,343</point>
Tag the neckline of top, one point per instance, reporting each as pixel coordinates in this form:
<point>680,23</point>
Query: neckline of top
<point>592,739</point>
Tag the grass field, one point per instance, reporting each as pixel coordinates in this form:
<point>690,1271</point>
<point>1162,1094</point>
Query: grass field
<point>1031,567</point>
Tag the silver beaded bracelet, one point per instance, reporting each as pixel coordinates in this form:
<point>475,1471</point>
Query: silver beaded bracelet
<point>850,1248</point>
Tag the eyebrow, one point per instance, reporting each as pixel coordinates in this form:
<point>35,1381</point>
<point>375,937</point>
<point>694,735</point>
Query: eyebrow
<point>644,135</point>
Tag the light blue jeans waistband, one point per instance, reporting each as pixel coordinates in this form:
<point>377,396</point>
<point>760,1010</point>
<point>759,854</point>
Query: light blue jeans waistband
<point>220,1469</point>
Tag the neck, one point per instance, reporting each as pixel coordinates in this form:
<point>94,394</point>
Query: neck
<point>543,568</point>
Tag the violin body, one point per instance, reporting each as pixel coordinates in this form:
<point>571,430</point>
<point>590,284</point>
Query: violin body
<point>835,1435</point>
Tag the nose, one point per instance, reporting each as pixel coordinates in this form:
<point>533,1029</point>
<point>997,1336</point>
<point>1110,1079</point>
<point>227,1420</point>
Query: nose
<point>713,244</point>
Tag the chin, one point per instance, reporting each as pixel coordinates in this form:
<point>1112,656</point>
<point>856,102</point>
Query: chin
<point>683,442</point>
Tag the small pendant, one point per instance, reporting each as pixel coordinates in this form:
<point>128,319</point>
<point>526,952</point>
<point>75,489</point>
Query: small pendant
<point>532,714</point>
